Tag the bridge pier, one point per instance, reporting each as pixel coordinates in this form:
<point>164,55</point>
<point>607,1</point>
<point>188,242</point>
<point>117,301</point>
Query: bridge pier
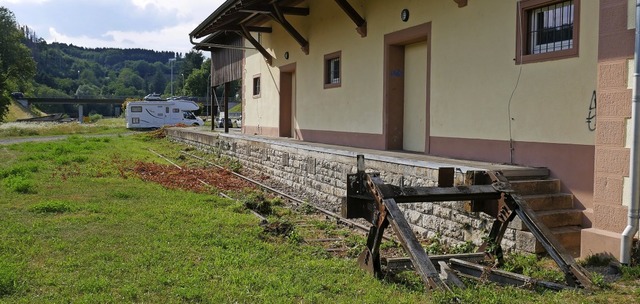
<point>80,114</point>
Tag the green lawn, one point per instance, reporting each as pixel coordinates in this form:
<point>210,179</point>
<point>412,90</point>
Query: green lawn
<point>102,126</point>
<point>77,226</point>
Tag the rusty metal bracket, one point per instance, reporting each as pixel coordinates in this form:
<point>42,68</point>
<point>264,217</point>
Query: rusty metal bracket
<point>368,197</point>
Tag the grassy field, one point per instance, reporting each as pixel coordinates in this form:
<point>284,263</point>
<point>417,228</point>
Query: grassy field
<point>78,226</point>
<point>102,126</point>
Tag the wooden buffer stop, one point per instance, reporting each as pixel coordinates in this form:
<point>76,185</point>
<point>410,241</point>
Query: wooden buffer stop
<point>368,197</point>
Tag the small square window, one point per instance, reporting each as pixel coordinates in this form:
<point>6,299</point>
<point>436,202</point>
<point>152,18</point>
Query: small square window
<point>256,86</point>
<point>135,120</point>
<point>175,110</point>
<point>548,30</point>
<point>332,70</point>
<point>136,108</point>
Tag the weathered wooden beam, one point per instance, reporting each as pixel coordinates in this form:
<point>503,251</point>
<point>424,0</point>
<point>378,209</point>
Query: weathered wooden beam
<point>404,263</point>
<point>461,3</point>
<point>267,56</point>
<point>360,22</point>
<point>277,15</point>
<point>478,272</point>
<point>439,194</point>
<point>575,275</point>
<point>421,263</point>
<point>286,10</point>
<point>255,29</point>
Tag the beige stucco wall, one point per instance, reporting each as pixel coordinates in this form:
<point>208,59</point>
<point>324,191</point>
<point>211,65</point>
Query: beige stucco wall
<point>473,73</point>
<point>260,111</point>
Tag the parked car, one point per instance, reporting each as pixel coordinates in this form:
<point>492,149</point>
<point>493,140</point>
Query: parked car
<point>233,122</point>
<point>17,95</point>
<point>153,97</point>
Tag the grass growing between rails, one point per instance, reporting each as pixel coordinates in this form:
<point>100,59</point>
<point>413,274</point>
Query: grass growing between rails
<point>101,126</point>
<point>78,226</point>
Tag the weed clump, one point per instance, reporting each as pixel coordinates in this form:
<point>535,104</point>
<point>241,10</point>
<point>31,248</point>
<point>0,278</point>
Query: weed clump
<point>19,184</point>
<point>51,207</point>
<point>22,170</point>
<point>8,278</point>
<point>279,228</point>
<point>529,265</point>
<point>257,202</point>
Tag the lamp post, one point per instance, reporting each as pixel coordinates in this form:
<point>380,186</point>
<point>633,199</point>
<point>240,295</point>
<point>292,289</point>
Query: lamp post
<point>210,100</point>
<point>182,84</point>
<point>171,63</point>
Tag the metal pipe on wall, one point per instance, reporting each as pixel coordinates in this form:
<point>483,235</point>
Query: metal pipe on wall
<point>634,172</point>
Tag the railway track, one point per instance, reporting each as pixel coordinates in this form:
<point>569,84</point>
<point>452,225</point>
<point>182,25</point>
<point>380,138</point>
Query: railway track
<point>334,233</point>
<point>318,226</point>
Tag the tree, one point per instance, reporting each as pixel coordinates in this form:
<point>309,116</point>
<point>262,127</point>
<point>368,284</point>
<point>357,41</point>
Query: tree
<point>17,68</point>
<point>197,83</point>
<point>129,78</point>
<point>192,61</point>
<point>158,83</point>
<point>88,90</point>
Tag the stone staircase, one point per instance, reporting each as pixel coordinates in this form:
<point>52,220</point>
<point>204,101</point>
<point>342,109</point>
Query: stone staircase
<point>552,207</point>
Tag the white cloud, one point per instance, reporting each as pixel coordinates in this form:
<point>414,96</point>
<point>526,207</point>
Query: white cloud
<point>25,1</point>
<point>184,8</point>
<point>149,24</point>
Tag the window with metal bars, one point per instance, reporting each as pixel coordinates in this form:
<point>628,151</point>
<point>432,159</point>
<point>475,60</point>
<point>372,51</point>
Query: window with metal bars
<point>548,30</point>
<point>332,70</point>
<point>551,28</point>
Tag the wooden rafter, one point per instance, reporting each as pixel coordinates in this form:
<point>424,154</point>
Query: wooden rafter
<point>286,10</point>
<point>245,33</point>
<point>360,22</point>
<point>278,15</point>
<point>237,28</point>
<point>461,3</point>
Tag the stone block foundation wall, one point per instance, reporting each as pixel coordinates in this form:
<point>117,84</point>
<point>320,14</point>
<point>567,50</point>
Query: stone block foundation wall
<point>319,175</point>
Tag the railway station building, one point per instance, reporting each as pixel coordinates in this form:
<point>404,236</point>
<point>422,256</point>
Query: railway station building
<point>537,83</point>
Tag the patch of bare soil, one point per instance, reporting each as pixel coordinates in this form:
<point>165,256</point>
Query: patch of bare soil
<point>190,179</point>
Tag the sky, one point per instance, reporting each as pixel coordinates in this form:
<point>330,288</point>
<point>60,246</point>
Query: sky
<point>162,25</point>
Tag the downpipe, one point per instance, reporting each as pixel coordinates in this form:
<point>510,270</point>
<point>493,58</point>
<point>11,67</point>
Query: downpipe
<point>218,45</point>
<point>634,172</point>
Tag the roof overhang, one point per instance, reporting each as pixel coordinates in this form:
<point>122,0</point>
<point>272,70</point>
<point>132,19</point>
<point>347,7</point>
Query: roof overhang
<point>245,16</point>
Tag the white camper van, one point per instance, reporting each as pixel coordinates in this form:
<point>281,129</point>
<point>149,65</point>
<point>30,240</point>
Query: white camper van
<point>157,114</point>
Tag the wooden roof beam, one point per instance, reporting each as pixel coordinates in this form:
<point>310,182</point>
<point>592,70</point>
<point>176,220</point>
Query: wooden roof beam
<point>245,33</point>
<point>461,3</point>
<point>355,17</point>
<point>255,29</point>
<point>286,10</point>
<point>277,15</point>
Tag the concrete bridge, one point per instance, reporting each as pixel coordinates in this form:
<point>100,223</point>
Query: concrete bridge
<point>80,101</point>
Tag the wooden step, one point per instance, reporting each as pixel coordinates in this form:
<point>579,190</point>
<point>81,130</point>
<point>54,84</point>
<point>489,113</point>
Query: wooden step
<point>544,202</point>
<point>536,187</point>
<point>552,219</point>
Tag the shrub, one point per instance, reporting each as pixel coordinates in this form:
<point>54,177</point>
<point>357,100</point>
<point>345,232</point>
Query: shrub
<point>94,117</point>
